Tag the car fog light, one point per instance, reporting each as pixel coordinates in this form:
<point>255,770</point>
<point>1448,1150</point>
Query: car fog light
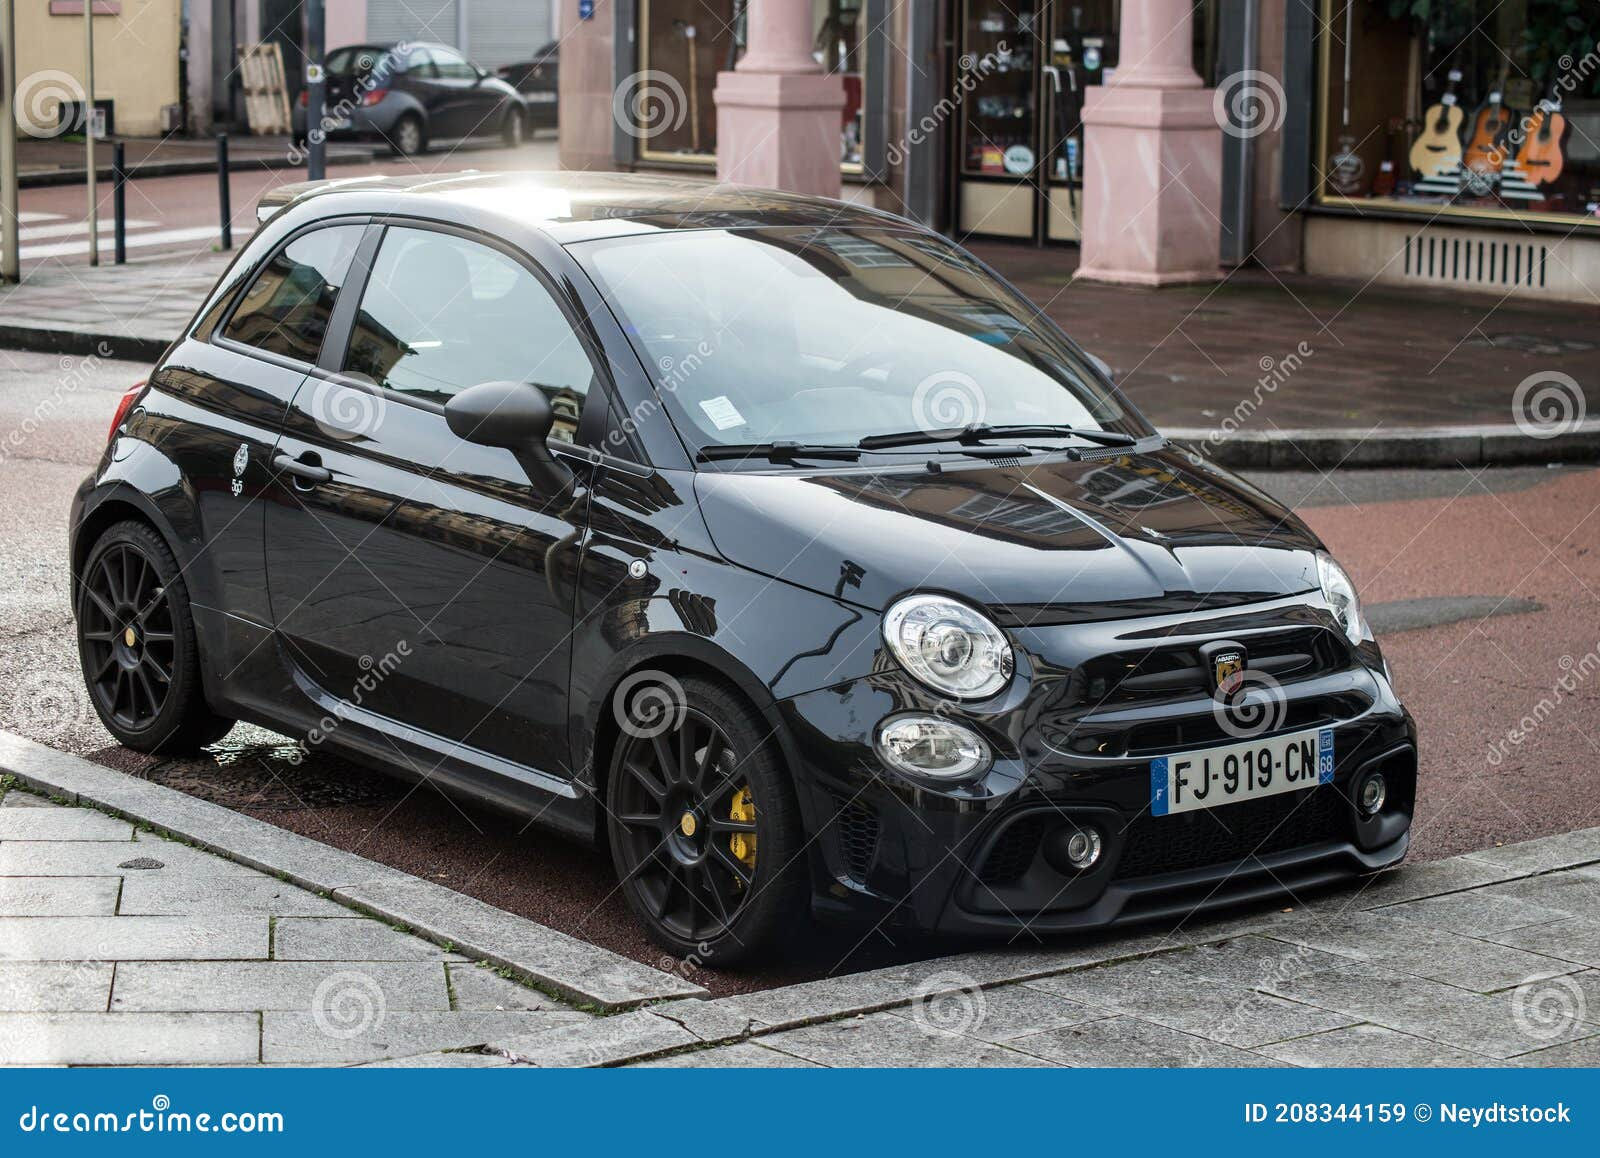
<point>1374,791</point>
<point>1083,848</point>
<point>932,747</point>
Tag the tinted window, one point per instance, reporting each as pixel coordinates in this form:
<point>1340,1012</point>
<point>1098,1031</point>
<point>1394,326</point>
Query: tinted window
<point>441,313</point>
<point>286,310</point>
<point>453,67</point>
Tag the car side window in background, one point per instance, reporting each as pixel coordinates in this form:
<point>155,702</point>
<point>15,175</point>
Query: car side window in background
<point>418,62</point>
<point>441,313</point>
<point>286,310</point>
<point>453,67</point>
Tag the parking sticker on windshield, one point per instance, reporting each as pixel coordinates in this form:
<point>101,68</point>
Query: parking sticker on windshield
<point>722,413</point>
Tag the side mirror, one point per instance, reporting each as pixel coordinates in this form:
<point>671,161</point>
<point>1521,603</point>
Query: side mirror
<point>1103,366</point>
<point>517,417</point>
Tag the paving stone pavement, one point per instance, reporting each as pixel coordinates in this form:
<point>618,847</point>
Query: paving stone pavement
<point>120,948</point>
<point>1480,960</point>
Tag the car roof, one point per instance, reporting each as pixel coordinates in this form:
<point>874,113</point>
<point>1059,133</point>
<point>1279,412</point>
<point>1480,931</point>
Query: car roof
<point>577,206</point>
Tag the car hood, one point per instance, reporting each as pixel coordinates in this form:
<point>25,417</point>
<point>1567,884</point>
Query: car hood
<point>1033,541</point>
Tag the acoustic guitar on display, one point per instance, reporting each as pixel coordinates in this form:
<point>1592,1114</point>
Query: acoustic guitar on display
<point>1540,157</point>
<point>1486,149</point>
<point>1437,150</point>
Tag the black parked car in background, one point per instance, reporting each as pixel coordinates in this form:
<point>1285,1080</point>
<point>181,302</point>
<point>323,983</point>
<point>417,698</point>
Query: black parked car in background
<point>536,79</point>
<point>774,543</point>
<point>413,95</point>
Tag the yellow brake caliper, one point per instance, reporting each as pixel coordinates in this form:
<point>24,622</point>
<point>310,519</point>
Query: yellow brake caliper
<point>743,844</point>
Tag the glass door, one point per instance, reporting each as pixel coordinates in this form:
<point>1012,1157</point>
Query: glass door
<point>1025,71</point>
<point>997,75</point>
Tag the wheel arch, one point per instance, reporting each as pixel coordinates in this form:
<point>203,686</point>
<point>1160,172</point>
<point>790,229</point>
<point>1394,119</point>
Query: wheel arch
<point>678,655</point>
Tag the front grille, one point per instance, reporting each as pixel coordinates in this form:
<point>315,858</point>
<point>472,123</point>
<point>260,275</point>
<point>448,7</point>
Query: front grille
<point>858,827</point>
<point>1014,851</point>
<point>1162,844</point>
<point>1167,672</point>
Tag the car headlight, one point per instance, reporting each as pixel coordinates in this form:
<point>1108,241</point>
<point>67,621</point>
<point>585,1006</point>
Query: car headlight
<point>1341,596</point>
<point>948,646</point>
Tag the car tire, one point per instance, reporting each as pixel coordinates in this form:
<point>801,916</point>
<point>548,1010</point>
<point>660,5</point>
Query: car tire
<point>515,130</point>
<point>407,138</point>
<point>709,849</point>
<point>137,645</point>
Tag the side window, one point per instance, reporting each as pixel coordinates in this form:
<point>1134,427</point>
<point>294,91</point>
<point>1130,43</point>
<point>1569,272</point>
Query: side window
<point>441,313</point>
<point>418,62</point>
<point>286,310</point>
<point>453,67</point>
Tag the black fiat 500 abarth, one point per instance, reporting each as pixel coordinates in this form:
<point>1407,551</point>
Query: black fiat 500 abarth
<point>776,544</point>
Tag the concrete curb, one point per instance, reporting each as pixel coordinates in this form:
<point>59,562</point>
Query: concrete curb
<point>51,340</point>
<point>1400,446</point>
<point>568,967</point>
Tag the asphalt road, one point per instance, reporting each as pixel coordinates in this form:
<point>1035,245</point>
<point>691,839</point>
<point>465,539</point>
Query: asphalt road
<point>1510,553</point>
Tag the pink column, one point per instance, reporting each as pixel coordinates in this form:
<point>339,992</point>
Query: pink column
<point>1152,158</point>
<point>778,115</point>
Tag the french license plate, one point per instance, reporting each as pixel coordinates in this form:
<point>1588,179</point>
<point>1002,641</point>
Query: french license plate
<point>1247,770</point>
<point>337,123</point>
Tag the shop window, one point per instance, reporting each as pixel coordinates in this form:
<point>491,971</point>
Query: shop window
<point>685,43</point>
<point>1462,107</point>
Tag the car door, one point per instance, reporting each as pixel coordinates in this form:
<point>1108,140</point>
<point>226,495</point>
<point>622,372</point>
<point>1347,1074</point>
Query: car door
<point>471,105</point>
<point>413,576</point>
<point>225,394</point>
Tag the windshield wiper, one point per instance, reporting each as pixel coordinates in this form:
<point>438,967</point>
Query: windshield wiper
<point>777,451</point>
<point>968,435</point>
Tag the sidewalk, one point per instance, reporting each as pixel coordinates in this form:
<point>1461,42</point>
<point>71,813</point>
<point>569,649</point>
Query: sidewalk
<point>117,946</point>
<point>57,161</point>
<point>1262,370</point>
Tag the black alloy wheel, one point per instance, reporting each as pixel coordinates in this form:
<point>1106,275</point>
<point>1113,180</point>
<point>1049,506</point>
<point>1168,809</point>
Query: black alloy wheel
<point>704,830</point>
<point>136,642</point>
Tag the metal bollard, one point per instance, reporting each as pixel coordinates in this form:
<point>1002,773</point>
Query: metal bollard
<point>119,203</point>
<point>222,191</point>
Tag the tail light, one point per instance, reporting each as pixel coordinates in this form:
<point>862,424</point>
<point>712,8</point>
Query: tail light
<point>371,98</point>
<point>303,100</point>
<point>124,404</point>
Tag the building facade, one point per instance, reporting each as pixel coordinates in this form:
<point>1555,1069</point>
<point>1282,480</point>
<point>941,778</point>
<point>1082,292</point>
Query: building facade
<point>1356,137</point>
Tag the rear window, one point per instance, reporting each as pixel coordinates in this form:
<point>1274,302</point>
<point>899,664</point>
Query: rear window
<point>287,309</point>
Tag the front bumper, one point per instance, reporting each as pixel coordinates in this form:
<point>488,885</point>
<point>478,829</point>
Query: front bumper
<point>977,861</point>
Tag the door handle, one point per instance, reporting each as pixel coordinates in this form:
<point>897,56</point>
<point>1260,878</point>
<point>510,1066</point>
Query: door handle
<point>299,467</point>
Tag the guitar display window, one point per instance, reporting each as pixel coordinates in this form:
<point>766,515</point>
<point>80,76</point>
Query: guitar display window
<point>1488,108</point>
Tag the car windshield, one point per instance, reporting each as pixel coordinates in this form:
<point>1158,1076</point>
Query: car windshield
<point>829,336</point>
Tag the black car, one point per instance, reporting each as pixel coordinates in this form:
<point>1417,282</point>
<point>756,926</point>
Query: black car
<point>777,544</point>
<point>409,95</point>
<point>537,79</point>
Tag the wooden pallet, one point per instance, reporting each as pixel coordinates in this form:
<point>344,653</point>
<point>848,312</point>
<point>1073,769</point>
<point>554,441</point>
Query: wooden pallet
<point>266,92</point>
